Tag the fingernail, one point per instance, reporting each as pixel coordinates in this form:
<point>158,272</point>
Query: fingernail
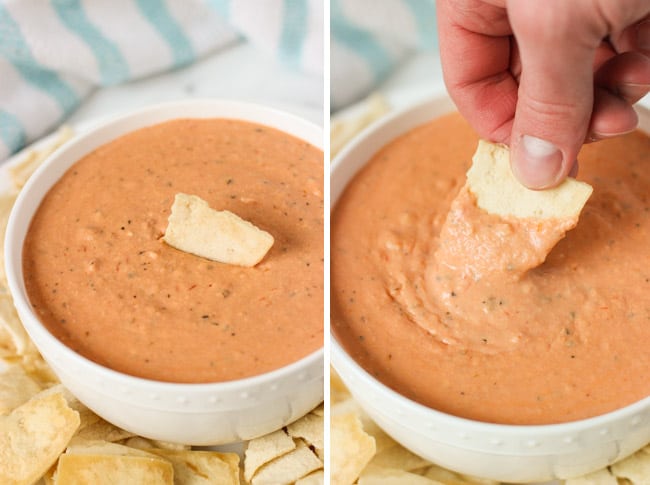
<point>537,163</point>
<point>632,92</point>
<point>601,135</point>
<point>643,35</point>
<point>598,133</point>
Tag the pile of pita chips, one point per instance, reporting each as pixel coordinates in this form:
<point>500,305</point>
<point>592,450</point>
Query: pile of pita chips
<point>635,469</point>
<point>16,388</point>
<point>293,454</point>
<point>33,436</point>
<point>105,462</point>
<point>97,461</point>
<point>351,447</point>
<point>47,433</point>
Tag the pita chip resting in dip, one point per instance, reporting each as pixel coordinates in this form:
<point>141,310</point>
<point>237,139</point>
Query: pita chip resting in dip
<point>217,235</point>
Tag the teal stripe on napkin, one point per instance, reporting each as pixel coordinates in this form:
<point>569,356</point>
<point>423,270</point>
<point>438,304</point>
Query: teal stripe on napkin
<point>424,13</point>
<point>294,31</point>
<point>158,15</point>
<point>14,48</point>
<point>221,6</point>
<point>113,68</point>
<point>12,132</point>
<point>359,41</point>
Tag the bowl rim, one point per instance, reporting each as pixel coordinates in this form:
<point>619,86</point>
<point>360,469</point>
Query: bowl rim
<point>340,357</point>
<point>13,252</point>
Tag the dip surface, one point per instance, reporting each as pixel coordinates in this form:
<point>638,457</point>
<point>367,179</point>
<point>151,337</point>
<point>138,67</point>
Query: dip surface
<point>567,340</point>
<point>102,280</point>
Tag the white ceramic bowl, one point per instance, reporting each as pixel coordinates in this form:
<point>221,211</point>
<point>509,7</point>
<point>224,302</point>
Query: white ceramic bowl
<point>197,414</point>
<point>500,452</point>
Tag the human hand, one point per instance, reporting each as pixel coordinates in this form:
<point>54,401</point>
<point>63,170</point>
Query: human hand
<point>546,77</point>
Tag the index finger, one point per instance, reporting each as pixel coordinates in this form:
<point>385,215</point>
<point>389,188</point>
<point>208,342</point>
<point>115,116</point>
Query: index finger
<point>475,51</point>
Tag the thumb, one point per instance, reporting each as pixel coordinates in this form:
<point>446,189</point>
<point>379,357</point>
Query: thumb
<point>557,42</point>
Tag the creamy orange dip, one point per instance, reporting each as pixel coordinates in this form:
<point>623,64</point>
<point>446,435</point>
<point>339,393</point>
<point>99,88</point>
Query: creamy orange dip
<point>566,340</point>
<point>102,280</point>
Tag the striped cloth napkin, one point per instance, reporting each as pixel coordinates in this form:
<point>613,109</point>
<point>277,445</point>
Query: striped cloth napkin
<point>53,53</point>
<point>369,38</point>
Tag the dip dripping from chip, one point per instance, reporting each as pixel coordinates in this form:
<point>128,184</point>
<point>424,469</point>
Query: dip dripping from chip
<point>496,226</point>
<point>221,236</point>
<point>496,233</point>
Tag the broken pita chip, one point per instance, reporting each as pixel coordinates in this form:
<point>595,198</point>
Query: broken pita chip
<point>443,475</point>
<point>217,235</point>
<point>497,191</point>
<point>38,369</point>
<point>319,410</point>
<point>85,469</point>
<point>344,129</point>
<point>439,474</point>
<point>137,442</point>
<point>7,351</point>
<point>202,467</point>
<point>86,416</point>
<point>265,449</point>
<point>397,456</point>
<point>48,478</point>
<point>375,475</point>
<point>33,436</point>
<point>144,443</point>
<point>103,430</point>
<point>310,428</point>
<point>635,468</point>
<point>289,467</point>
<point>469,479</point>
<point>11,323</point>
<point>382,440</point>
<point>600,477</point>
<point>16,388</point>
<point>81,446</point>
<point>314,478</point>
<point>349,405</point>
<point>351,448</point>
<point>6,203</point>
<point>338,391</point>
<point>24,169</point>
<point>168,445</point>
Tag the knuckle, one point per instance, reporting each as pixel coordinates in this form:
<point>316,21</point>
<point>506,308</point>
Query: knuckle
<point>558,21</point>
<point>555,115</point>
